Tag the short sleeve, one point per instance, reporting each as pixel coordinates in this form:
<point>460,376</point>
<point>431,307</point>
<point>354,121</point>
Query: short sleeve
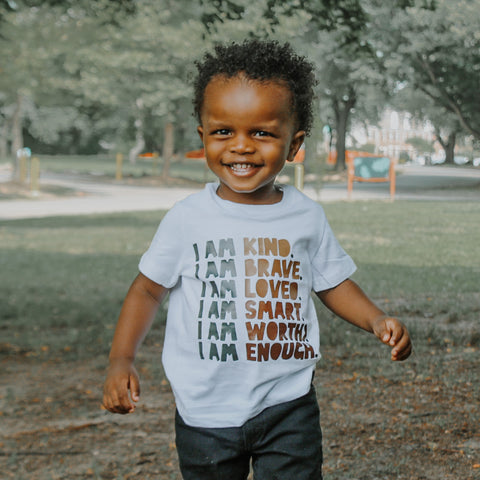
<point>331,265</point>
<point>162,262</point>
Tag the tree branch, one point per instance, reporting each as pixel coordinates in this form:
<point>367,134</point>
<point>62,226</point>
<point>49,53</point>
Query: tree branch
<point>450,102</point>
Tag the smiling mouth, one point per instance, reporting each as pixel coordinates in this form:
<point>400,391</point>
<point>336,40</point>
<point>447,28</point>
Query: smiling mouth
<point>242,168</point>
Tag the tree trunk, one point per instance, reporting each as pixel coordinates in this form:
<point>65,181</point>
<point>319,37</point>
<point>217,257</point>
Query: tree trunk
<point>342,112</point>
<point>139,136</point>
<point>181,142</point>
<point>17,136</point>
<point>17,133</point>
<point>448,146</point>
<point>341,128</point>
<point>139,142</point>
<point>167,152</point>
<point>4,140</point>
<point>449,154</point>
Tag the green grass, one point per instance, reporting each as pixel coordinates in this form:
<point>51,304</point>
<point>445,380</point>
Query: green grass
<point>105,166</point>
<point>420,261</point>
<point>407,248</point>
<point>63,279</point>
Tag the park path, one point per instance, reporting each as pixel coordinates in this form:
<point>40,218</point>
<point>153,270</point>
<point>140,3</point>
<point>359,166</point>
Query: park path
<point>92,197</point>
<point>413,183</point>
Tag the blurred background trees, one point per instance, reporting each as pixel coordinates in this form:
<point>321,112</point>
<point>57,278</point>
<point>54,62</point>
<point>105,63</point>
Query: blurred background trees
<point>89,76</point>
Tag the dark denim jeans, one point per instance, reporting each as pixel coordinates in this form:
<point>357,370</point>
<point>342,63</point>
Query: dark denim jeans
<point>284,442</point>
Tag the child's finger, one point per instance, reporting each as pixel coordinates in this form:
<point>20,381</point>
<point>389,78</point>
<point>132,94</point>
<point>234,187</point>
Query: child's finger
<point>403,348</point>
<point>122,403</point>
<point>393,333</point>
<point>117,403</point>
<point>396,330</point>
<point>134,387</point>
<point>116,397</point>
<point>395,337</point>
<point>382,331</point>
<point>386,337</point>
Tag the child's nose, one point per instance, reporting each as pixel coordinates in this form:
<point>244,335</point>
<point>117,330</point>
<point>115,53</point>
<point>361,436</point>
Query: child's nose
<point>242,144</point>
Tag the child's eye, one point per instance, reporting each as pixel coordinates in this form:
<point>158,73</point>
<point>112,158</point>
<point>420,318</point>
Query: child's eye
<point>263,133</point>
<point>222,131</point>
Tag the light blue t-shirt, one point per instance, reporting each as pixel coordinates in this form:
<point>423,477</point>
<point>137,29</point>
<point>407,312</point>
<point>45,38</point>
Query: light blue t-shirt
<point>242,333</point>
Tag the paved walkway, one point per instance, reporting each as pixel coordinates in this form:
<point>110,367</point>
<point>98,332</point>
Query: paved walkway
<point>413,183</point>
<point>93,198</point>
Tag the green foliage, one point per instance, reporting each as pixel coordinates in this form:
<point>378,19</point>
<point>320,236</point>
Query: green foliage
<point>420,144</point>
<point>124,66</point>
<point>78,72</point>
<point>435,49</point>
<point>368,147</point>
<point>348,70</point>
<point>403,157</point>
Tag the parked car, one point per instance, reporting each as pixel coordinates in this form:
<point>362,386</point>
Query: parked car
<point>437,158</point>
<point>460,160</point>
<point>476,162</point>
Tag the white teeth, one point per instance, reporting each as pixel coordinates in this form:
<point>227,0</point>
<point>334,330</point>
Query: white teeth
<point>240,166</point>
<point>242,169</point>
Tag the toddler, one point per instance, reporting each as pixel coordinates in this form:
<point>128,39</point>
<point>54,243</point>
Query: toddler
<point>239,261</point>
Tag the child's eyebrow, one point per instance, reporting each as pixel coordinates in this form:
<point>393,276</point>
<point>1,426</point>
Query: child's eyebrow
<point>272,125</point>
<point>211,126</point>
<point>266,127</point>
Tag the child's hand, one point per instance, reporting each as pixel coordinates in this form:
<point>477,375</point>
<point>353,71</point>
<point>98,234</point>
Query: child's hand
<point>121,377</point>
<point>392,332</point>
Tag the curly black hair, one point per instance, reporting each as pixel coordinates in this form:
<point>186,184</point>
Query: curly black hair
<point>263,61</point>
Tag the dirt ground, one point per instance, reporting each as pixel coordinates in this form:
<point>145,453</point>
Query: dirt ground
<point>412,425</point>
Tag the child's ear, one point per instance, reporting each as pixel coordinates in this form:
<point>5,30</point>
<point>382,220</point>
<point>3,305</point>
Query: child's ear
<point>295,145</point>
<point>200,132</point>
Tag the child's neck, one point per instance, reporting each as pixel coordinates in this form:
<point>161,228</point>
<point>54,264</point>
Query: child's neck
<point>267,195</point>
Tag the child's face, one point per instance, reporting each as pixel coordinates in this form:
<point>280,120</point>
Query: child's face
<point>249,131</point>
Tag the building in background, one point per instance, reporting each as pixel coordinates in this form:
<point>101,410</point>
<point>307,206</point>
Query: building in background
<point>390,136</point>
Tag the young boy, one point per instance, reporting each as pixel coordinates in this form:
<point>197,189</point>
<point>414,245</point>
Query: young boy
<point>240,260</point>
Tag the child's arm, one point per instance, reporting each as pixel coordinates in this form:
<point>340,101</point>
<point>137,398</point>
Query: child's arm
<point>349,302</point>
<point>136,317</point>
